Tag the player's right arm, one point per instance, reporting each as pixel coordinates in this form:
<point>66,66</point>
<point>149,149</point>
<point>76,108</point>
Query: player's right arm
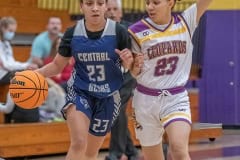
<point>55,67</point>
<point>62,58</point>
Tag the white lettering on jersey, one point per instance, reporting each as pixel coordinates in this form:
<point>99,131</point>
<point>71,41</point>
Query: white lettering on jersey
<point>167,47</point>
<point>85,57</point>
<point>99,88</point>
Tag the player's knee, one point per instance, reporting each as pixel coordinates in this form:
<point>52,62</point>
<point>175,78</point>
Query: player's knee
<point>79,144</point>
<point>179,150</point>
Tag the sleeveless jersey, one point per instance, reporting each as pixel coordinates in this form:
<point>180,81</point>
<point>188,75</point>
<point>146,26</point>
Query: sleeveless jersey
<point>97,67</point>
<point>167,53</point>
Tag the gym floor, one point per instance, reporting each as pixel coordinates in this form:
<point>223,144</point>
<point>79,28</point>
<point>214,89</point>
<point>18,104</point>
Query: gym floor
<point>226,147</point>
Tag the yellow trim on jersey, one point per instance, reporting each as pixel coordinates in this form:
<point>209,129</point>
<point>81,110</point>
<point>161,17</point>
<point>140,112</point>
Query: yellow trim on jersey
<point>163,34</point>
<point>185,25</point>
<point>134,37</point>
<point>158,33</point>
<point>175,115</point>
<point>151,27</point>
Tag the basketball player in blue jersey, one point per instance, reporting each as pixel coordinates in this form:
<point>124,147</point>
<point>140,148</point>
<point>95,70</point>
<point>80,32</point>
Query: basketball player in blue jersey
<point>160,100</point>
<point>99,47</point>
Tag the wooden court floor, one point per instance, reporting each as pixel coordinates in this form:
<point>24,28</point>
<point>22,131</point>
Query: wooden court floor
<point>226,147</point>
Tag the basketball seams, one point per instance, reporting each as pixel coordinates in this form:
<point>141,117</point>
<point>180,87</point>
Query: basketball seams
<point>40,86</point>
<point>27,88</point>
<point>27,97</point>
<point>28,79</point>
<point>44,89</point>
<point>32,82</point>
<point>39,81</point>
<point>36,92</point>
<point>24,88</point>
<point>41,90</point>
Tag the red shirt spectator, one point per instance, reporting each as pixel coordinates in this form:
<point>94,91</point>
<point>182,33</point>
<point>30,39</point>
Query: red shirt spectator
<point>66,73</point>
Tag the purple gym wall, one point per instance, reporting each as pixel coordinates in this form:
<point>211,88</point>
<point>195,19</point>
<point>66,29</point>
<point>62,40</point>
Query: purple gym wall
<point>220,82</point>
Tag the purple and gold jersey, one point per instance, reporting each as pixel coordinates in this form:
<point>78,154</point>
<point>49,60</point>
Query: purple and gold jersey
<point>167,49</point>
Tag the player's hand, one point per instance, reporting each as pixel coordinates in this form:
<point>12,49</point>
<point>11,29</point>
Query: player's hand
<point>15,74</point>
<point>32,67</point>
<point>137,65</point>
<point>126,57</point>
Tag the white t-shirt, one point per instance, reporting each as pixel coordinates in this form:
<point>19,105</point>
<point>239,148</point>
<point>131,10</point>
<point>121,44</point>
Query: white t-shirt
<point>7,61</point>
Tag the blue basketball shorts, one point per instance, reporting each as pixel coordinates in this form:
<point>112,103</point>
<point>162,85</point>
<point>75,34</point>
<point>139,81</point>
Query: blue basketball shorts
<point>102,112</point>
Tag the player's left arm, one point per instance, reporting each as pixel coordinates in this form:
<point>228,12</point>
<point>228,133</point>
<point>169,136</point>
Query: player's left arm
<point>123,46</point>
<point>202,6</point>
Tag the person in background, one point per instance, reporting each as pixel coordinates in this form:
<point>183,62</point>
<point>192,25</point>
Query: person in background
<point>42,44</point>
<point>64,76</point>
<point>121,142</point>
<point>50,110</point>
<point>160,101</point>
<point>57,88</point>
<point>8,67</point>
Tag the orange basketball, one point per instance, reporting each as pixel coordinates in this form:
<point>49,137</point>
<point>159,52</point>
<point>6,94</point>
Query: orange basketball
<point>28,89</point>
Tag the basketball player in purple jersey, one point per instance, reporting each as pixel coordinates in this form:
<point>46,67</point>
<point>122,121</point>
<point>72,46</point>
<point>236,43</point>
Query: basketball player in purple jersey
<point>160,100</point>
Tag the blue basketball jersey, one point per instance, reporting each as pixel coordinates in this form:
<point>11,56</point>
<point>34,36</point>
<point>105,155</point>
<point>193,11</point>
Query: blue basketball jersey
<point>97,67</point>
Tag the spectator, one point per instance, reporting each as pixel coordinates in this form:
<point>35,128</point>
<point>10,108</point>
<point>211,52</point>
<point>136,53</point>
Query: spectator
<point>121,142</point>
<point>51,109</point>
<point>62,77</point>
<point>8,67</point>
<point>42,44</point>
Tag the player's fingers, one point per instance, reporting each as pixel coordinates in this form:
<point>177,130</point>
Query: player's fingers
<point>118,51</point>
<point>32,67</point>
<point>127,53</point>
<point>124,54</point>
<point>17,73</point>
<point>139,55</point>
<point>139,60</point>
<point>125,50</point>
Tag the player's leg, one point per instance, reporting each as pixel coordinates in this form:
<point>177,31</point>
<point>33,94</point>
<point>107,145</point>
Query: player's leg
<point>78,124</point>
<point>105,111</point>
<point>148,128</point>
<point>153,152</point>
<point>178,136</point>
<point>176,119</point>
<point>94,144</point>
<point>118,137</point>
